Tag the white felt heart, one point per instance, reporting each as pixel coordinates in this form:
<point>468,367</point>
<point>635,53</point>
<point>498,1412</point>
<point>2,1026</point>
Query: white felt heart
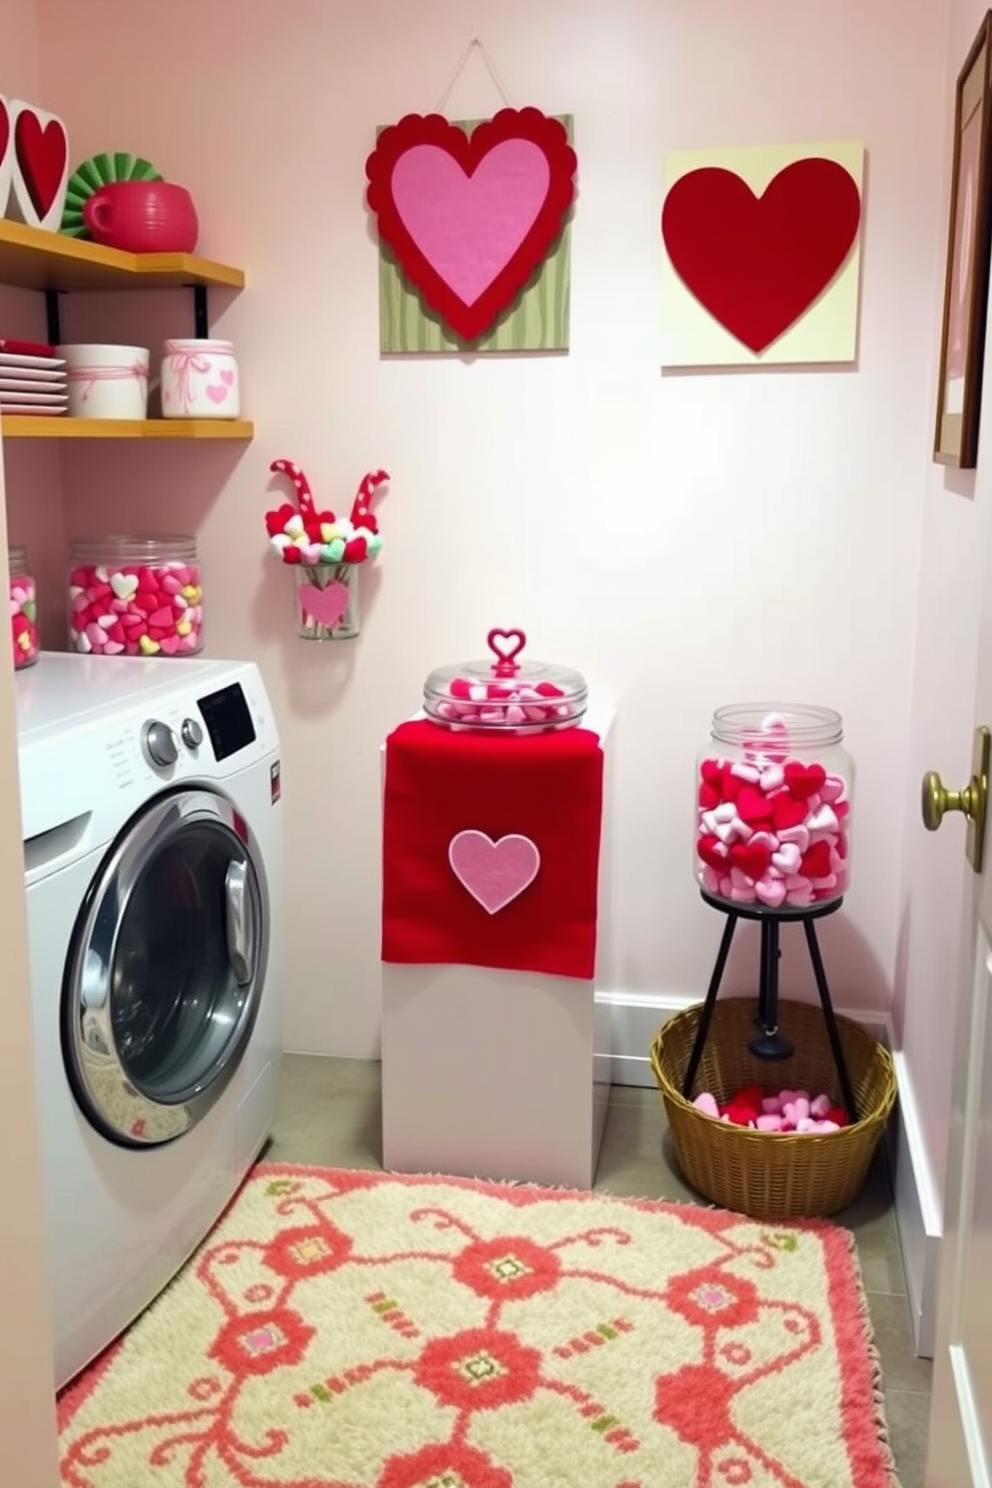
<point>124,585</point>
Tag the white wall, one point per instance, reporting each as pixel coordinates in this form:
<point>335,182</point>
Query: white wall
<point>690,540</point>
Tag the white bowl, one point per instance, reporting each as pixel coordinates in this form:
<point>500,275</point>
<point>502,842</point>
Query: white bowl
<point>107,382</point>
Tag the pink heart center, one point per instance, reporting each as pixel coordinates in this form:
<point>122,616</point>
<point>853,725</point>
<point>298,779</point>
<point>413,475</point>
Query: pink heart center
<point>494,873</point>
<point>326,606</point>
<point>216,392</point>
<point>469,227</point>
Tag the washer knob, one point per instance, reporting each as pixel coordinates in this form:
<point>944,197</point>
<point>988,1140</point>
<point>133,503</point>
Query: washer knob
<point>192,733</point>
<point>159,743</point>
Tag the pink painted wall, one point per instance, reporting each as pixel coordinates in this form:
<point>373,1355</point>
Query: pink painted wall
<point>769,524</point>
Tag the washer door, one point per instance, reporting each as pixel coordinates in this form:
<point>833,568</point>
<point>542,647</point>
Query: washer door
<point>166,969</point>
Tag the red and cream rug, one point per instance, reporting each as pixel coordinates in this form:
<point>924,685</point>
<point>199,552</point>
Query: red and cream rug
<point>355,1330</point>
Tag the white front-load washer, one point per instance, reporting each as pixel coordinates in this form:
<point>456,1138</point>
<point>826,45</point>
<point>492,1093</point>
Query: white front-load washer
<point>150,801</point>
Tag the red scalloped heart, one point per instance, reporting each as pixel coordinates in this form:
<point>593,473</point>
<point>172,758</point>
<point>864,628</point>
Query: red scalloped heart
<point>757,263</point>
<point>42,152</point>
<point>470,217</point>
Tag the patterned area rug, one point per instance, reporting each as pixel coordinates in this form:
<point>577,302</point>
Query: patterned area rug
<point>355,1330</point>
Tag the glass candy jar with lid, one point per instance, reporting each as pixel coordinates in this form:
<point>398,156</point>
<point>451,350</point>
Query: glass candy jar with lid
<point>23,609</point>
<point>773,808</point>
<point>135,596</point>
<point>505,695</point>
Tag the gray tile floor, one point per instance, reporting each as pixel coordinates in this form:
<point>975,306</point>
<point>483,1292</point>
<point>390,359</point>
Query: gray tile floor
<point>329,1115</point>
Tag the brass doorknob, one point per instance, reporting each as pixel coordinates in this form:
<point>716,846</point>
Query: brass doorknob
<point>938,800</point>
<point>972,802</point>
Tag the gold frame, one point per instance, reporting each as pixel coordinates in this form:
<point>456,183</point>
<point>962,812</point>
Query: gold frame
<point>956,432</point>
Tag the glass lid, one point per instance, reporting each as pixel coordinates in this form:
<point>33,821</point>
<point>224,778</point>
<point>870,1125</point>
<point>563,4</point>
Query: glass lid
<point>505,694</point>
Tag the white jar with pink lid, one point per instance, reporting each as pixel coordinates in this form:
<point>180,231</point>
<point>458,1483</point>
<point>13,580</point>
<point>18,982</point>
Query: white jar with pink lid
<point>199,379</point>
<point>773,808</point>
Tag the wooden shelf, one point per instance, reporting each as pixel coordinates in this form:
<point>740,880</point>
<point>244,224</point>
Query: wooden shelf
<point>31,258</point>
<point>39,426</point>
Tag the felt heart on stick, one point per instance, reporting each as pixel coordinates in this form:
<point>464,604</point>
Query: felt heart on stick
<point>757,262</point>
<point>470,217</point>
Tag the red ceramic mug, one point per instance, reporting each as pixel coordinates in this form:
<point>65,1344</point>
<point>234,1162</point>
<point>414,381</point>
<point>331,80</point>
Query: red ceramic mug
<point>142,217</point>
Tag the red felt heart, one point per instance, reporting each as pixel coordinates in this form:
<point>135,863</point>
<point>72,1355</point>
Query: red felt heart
<point>838,1115</point>
<point>804,780</point>
<point>709,796</point>
<point>758,262</point>
<point>470,217</point>
<point>712,772</point>
<point>42,152</point>
<point>750,860</point>
<point>816,863</point>
<point>732,784</point>
<point>713,853</point>
<point>787,811</point>
<point>753,805</point>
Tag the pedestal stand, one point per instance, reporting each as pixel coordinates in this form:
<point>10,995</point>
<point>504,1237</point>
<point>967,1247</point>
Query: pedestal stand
<point>768,1043</point>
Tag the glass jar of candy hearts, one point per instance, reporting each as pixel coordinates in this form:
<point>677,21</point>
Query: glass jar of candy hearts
<point>135,596</point>
<point>505,695</point>
<point>23,609</point>
<point>773,807</point>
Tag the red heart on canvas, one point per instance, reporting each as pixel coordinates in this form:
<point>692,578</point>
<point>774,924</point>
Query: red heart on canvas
<point>42,152</point>
<point>710,849</point>
<point>470,217</point>
<point>750,860</point>
<point>804,780</point>
<point>816,863</point>
<point>787,811</point>
<point>753,805</point>
<point>758,262</point>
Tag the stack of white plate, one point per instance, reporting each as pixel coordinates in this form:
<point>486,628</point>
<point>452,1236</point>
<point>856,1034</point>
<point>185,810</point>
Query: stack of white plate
<point>32,379</point>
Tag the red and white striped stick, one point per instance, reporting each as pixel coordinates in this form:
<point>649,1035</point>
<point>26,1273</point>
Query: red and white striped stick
<point>304,495</point>
<point>363,501</point>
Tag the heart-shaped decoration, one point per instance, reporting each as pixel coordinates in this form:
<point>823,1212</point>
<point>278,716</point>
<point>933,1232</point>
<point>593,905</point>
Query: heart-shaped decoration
<point>712,852</point>
<point>816,863</point>
<point>750,860</point>
<point>326,605</point>
<point>217,392</point>
<point>40,166</point>
<point>802,780</point>
<point>6,155</point>
<point>494,873</point>
<point>770,891</point>
<point>506,646</point>
<point>227,377</point>
<point>787,812</point>
<point>757,263</point>
<point>470,217</point>
<point>752,806</point>
<point>787,859</point>
<point>125,586</point>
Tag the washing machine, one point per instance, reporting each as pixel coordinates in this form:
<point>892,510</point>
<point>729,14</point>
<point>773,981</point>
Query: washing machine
<point>150,797</point>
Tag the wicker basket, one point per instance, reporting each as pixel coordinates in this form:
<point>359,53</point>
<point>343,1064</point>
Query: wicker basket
<point>765,1174</point>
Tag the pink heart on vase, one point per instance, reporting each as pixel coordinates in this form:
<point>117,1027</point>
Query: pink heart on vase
<point>227,377</point>
<point>494,873</point>
<point>216,392</point>
<point>326,606</point>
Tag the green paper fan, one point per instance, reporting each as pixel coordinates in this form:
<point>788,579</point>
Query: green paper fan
<point>100,170</point>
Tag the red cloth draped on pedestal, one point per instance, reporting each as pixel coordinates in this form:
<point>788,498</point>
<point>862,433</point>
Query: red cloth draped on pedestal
<point>547,788</point>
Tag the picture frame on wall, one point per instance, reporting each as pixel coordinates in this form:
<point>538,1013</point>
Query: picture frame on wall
<point>966,279</point>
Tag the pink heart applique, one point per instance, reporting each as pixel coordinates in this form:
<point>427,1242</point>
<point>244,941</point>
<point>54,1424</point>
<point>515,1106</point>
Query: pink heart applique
<point>227,377</point>
<point>216,392</point>
<point>326,606</point>
<point>494,873</point>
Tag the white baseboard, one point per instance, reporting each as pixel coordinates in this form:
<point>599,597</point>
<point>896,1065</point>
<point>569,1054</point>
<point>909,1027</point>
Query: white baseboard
<point>636,1018</point>
<point>919,1211</point>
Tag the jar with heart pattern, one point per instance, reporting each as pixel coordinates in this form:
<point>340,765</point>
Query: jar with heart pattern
<point>135,596</point>
<point>773,808</point>
<point>199,379</point>
<point>326,599</point>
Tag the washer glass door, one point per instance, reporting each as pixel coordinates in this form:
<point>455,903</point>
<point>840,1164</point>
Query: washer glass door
<point>166,969</point>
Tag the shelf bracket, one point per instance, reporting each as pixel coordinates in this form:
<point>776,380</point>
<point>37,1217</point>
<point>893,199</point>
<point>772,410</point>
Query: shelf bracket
<point>201,319</point>
<point>53,316</point>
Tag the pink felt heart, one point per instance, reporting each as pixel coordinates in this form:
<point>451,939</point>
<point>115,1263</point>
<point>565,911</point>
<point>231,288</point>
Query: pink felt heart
<point>216,392</point>
<point>326,606</point>
<point>494,873</point>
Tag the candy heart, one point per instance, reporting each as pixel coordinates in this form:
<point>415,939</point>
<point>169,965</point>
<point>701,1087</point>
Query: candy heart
<point>712,852</point>
<point>708,822</point>
<point>804,780</point>
<point>838,1115</point>
<point>745,772</point>
<point>804,1125</point>
<point>124,585</point>
<point>820,1107</point>
<point>752,806</point>
<point>752,861</point>
<point>725,832</point>
<point>827,1126</point>
<point>796,881</point>
<point>162,617</point>
<point>771,891</point>
<point>113,648</point>
<point>772,777</point>
<point>764,839</point>
<point>832,789</point>
<point>741,896</point>
<point>725,812</point>
<point>769,1123</point>
<point>738,829</point>
<point>738,878</point>
<point>148,646</point>
<point>802,1108</point>
<point>789,1112</point>
<point>816,862</point>
<point>799,898</point>
<point>787,858</point>
<point>824,820</point>
<point>824,885</point>
<point>772,1105</point>
<point>706,1103</point>
<point>169,644</point>
<point>710,880</point>
<point>712,772</point>
<point>787,812</point>
<point>798,835</point>
<point>709,796</point>
<point>106,622</point>
<point>731,784</point>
